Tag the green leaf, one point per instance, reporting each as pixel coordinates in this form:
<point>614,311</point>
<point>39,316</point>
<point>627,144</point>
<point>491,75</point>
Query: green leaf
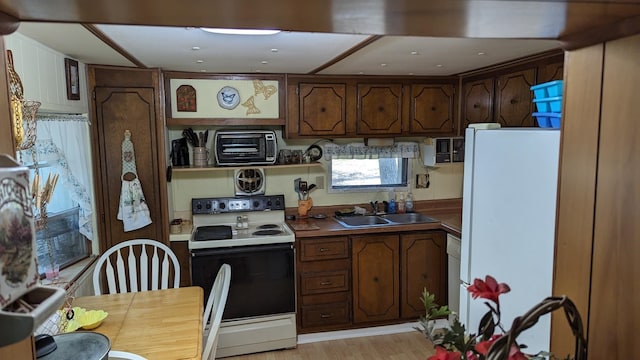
<point>487,326</point>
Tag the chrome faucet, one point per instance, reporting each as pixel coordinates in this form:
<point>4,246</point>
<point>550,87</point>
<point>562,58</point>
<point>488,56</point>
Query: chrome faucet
<point>374,207</point>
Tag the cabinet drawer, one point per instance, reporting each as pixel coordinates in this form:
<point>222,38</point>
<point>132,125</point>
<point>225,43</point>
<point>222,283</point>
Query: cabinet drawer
<point>324,315</point>
<point>323,299</point>
<point>317,283</point>
<point>324,248</point>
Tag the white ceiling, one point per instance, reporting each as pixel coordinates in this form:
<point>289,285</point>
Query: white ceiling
<point>171,48</point>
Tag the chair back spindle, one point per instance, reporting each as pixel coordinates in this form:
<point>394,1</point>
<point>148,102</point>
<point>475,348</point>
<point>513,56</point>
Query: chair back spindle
<point>124,278</point>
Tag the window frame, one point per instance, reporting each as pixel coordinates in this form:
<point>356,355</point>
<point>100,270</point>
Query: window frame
<point>406,164</point>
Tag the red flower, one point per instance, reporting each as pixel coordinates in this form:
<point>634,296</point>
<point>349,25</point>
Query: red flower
<point>514,352</point>
<point>484,346</point>
<point>444,354</point>
<point>488,289</point>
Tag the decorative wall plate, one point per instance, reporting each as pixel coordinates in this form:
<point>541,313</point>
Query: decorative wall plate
<point>228,98</point>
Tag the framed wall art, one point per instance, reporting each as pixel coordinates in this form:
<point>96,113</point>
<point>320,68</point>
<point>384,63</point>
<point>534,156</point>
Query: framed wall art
<point>73,79</point>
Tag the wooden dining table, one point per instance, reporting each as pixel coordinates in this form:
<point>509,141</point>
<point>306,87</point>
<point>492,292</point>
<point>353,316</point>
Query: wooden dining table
<point>159,324</point>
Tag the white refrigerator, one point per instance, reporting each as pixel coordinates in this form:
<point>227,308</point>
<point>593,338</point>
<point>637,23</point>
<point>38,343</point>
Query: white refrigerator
<point>508,223</point>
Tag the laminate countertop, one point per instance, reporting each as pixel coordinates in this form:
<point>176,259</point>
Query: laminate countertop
<point>447,212</point>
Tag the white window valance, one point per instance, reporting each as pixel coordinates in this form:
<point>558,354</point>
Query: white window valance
<point>407,150</point>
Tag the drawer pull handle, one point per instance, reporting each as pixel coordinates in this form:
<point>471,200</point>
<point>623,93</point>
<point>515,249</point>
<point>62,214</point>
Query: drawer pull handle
<point>326,316</point>
<point>326,283</point>
<point>323,249</point>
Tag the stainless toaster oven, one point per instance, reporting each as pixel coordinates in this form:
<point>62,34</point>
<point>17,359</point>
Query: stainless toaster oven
<point>245,147</point>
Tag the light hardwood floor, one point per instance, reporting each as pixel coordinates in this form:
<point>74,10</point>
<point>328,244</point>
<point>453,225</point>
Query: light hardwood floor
<point>404,346</point>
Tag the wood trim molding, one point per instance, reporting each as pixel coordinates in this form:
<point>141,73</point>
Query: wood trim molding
<point>600,34</point>
<point>368,41</point>
<point>551,55</point>
<point>107,40</point>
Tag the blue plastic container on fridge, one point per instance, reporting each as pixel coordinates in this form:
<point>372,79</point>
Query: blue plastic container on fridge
<point>548,119</point>
<point>552,104</point>
<point>548,89</point>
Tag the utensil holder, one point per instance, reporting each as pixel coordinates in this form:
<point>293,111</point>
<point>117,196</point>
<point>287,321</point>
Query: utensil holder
<point>200,156</point>
<point>304,206</point>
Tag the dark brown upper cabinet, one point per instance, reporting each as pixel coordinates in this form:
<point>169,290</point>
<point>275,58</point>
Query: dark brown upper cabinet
<point>477,102</point>
<point>514,98</point>
<point>432,109</point>
<point>379,109</point>
<point>322,109</point>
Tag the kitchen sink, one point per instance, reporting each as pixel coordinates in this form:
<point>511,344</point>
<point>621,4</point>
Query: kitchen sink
<point>361,221</point>
<point>381,220</point>
<point>409,218</point>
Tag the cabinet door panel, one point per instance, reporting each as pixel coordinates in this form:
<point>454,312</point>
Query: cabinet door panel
<point>550,72</point>
<point>432,109</point>
<point>514,98</point>
<point>423,258</point>
<point>322,109</point>
<point>379,109</point>
<point>117,110</point>
<point>375,278</point>
<point>477,101</point>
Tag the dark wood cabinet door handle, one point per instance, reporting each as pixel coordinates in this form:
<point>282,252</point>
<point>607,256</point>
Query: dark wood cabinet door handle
<point>326,316</point>
<point>325,283</point>
<point>476,105</point>
<point>324,249</point>
<point>513,101</point>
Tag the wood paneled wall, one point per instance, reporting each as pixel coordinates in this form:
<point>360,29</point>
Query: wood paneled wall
<point>598,248</point>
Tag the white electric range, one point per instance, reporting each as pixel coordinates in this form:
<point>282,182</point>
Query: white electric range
<point>250,234</point>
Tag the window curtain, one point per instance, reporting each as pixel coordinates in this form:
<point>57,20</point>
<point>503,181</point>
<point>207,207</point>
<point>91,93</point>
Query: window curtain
<point>63,141</point>
<point>407,150</point>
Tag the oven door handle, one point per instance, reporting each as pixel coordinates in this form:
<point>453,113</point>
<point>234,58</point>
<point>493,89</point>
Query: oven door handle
<point>241,249</point>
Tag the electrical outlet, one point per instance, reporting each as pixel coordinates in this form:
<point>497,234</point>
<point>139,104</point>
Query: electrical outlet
<point>422,181</point>
<point>319,182</point>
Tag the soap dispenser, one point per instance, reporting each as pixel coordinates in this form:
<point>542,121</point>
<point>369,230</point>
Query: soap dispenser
<point>409,202</point>
<point>400,205</point>
<point>391,208</point>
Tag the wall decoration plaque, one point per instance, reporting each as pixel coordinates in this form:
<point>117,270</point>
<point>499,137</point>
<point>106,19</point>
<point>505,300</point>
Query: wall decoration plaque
<point>228,98</point>
<point>186,98</point>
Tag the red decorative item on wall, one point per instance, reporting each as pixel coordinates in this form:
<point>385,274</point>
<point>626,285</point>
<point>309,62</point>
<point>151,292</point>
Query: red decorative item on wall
<point>186,96</point>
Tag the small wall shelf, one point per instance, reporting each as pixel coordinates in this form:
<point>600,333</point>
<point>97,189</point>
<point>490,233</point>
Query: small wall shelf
<point>216,168</point>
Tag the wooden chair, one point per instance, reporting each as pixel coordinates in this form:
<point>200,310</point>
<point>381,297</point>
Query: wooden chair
<point>126,276</point>
<point>213,311</point>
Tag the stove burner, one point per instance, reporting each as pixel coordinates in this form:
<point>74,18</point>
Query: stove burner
<point>267,232</point>
<point>268,226</point>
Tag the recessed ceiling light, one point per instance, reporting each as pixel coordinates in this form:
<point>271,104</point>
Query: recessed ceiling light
<point>480,53</point>
<point>383,65</point>
<point>361,72</point>
<point>439,65</point>
<point>410,73</point>
<point>258,70</point>
<point>415,53</point>
<point>199,61</point>
<point>195,48</point>
<point>203,70</point>
<point>264,62</point>
<point>274,50</point>
<point>241,31</point>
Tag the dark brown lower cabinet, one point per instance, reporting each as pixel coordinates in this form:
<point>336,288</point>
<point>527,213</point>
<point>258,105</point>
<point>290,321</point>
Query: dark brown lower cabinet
<point>376,277</point>
<point>423,261</point>
<point>324,283</point>
<point>361,280</point>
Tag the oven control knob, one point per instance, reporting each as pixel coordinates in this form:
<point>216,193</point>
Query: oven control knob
<point>208,206</point>
<point>222,205</point>
<point>256,204</point>
<point>268,203</point>
<point>199,206</point>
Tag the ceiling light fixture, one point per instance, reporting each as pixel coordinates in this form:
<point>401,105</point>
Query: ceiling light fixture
<point>481,53</point>
<point>274,50</point>
<point>194,48</point>
<point>415,53</point>
<point>264,62</point>
<point>241,31</point>
<point>199,61</point>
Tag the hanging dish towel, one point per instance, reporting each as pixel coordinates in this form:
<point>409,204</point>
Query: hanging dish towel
<point>133,210</point>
